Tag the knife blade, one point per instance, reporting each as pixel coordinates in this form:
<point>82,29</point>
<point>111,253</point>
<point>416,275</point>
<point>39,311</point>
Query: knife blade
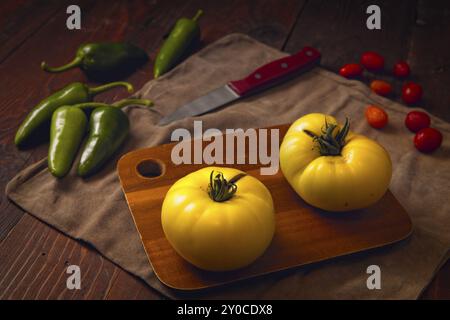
<point>264,77</point>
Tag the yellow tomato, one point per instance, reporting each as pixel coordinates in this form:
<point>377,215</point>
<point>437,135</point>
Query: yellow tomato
<point>217,226</point>
<point>332,168</point>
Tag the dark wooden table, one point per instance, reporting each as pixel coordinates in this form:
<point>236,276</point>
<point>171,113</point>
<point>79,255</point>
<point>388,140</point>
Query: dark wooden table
<point>34,256</point>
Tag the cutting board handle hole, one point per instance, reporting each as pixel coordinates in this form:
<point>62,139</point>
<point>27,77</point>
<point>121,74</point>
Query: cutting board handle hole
<point>150,168</point>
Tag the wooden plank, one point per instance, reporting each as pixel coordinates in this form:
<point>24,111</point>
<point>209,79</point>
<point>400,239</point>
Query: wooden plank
<point>11,162</point>
<point>338,29</point>
<point>429,55</point>
<point>21,19</point>
<point>268,21</point>
<point>128,287</point>
<point>38,257</point>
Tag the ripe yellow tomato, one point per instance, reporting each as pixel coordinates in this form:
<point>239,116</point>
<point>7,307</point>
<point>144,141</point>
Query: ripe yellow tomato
<point>332,168</point>
<point>217,223</point>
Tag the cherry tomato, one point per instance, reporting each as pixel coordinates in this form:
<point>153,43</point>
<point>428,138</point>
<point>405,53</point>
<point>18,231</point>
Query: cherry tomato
<point>381,87</point>
<point>372,61</point>
<point>417,120</point>
<point>427,140</point>
<point>376,117</point>
<point>411,92</point>
<point>351,70</point>
<point>401,69</point>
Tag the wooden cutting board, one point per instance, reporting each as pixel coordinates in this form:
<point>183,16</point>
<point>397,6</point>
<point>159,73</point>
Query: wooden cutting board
<point>303,233</point>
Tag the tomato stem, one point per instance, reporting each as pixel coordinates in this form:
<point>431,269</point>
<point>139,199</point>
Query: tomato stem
<point>330,145</point>
<point>219,189</point>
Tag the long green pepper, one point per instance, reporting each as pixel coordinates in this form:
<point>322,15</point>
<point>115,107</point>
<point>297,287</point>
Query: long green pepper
<point>109,126</point>
<point>40,117</point>
<point>104,60</point>
<point>69,124</point>
<point>183,36</point>
<point>68,127</point>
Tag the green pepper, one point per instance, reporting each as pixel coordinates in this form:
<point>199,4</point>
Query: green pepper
<point>69,124</point>
<point>67,130</point>
<point>105,60</point>
<point>39,118</point>
<point>183,36</point>
<point>109,126</point>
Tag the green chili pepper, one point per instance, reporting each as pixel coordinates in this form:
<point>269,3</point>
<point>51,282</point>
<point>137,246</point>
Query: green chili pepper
<point>39,118</point>
<point>109,126</point>
<point>183,36</point>
<point>69,124</point>
<point>67,130</point>
<point>104,61</point>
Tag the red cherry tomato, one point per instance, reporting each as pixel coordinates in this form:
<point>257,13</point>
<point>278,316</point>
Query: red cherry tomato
<point>376,117</point>
<point>401,69</point>
<point>381,87</point>
<point>372,61</point>
<point>351,70</point>
<point>417,120</point>
<point>427,140</point>
<point>411,92</point>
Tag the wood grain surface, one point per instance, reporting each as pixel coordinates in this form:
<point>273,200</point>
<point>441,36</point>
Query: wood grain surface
<point>33,30</point>
<point>303,234</point>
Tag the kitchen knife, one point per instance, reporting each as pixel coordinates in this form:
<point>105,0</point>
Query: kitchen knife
<point>262,78</point>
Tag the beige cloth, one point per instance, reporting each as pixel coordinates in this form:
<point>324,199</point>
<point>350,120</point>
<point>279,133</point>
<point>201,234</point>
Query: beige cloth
<point>94,210</point>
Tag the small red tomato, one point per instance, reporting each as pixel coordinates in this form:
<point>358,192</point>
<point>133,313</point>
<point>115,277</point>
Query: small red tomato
<point>351,70</point>
<point>401,69</point>
<point>427,140</point>
<point>376,117</point>
<point>411,92</point>
<point>381,87</point>
<point>372,61</point>
<point>417,120</point>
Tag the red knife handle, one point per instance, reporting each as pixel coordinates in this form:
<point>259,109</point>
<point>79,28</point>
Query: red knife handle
<point>276,71</point>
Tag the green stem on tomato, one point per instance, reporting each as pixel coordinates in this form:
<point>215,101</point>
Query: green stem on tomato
<point>219,189</point>
<point>330,145</point>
